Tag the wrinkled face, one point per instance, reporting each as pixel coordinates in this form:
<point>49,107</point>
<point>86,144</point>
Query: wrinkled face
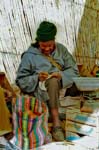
<point>47,47</point>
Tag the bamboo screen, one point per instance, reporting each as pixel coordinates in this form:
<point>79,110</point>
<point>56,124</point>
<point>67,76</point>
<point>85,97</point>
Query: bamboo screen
<point>77,22</point>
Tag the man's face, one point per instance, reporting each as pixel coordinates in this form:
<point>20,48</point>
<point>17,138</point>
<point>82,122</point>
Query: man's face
<point>47,47</point>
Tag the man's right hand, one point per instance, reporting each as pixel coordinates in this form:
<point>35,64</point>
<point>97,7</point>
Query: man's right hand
<point>43,76</point>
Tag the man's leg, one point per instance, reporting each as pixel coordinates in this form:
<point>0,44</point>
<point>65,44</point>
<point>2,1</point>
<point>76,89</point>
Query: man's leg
<point>53,87</point>
<point>72,91</point>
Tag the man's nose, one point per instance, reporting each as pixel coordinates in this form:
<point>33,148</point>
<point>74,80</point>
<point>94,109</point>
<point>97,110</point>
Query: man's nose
<point>47,48</point>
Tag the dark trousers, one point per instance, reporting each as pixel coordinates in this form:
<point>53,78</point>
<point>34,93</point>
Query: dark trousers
<point>72,91</point>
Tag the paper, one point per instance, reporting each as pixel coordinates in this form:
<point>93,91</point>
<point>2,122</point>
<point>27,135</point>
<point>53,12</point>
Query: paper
<point>61,146</point>
<point>88,142</point>
<point>42,83</point>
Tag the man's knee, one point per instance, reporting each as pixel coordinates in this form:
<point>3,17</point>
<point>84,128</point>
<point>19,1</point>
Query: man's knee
<point>53,82</point>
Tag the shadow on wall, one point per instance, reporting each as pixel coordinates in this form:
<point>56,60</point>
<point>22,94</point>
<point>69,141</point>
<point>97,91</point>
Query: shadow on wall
<point>87,41</point>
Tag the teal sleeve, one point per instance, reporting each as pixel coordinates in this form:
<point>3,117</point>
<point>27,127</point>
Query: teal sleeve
<point>26,78</point>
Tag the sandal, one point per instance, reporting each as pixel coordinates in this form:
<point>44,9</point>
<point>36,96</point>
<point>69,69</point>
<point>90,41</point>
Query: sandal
<point>57,134</point>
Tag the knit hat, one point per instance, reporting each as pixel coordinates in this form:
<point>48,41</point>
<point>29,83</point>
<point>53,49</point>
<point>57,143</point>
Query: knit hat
<point>46,31</point>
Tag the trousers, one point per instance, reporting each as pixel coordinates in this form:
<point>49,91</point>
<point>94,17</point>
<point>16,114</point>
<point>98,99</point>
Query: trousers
<point>53,86</point>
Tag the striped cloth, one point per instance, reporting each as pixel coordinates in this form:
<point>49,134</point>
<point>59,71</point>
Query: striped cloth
<point>30,122</point>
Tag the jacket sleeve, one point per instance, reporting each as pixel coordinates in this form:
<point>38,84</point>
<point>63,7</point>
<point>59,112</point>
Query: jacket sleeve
<point>26,78</point>
<point>70,69</point>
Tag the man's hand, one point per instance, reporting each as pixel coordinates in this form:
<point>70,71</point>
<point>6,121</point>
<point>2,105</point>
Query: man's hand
<point>56,75</point>
<point>43,76</point>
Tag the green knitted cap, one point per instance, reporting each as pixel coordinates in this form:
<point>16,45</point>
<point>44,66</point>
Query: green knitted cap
<point>46,31</point>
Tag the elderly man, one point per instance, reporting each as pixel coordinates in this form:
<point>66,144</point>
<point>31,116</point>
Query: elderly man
<point>46,67</point>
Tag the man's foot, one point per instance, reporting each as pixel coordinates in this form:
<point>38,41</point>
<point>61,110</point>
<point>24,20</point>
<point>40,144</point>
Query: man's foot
<point>57,134</point>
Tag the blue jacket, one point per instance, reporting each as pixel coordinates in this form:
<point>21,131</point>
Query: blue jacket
<point>33,62</point>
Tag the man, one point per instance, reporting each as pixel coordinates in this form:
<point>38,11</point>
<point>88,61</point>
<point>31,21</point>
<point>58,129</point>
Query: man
<point>50,63</point>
